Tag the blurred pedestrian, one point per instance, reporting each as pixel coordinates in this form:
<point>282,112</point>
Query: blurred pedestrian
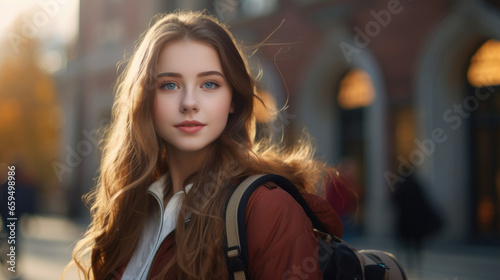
<point>416,218</point>
<point>16,202</point>
<point>23,198</point>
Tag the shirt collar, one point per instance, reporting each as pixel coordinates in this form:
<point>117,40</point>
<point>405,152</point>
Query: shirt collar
<point>158,186</point>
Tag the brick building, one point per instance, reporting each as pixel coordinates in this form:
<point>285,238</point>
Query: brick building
<point>420,111</point>
<point>378,84</point>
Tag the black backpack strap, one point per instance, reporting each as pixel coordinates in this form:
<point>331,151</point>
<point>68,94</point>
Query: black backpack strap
<point>237,249</point>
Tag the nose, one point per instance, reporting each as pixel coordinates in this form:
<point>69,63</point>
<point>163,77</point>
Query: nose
<point>189,103</point>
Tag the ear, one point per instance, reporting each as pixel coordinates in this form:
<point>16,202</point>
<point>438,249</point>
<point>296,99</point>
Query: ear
<point>231,109</point>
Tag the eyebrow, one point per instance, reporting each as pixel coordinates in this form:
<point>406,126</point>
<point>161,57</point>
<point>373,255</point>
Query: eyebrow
<point>202,74</point>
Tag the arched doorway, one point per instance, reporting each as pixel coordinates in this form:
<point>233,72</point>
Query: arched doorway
<point>319,112</point>
<point>355,93</point>
<point>483,105</point>
<point>444,97</point>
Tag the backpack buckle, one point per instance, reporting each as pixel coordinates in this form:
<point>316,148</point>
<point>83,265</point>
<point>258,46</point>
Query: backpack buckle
<point>235,263</point>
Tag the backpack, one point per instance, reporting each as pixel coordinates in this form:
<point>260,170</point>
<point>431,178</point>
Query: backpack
<point>337,259</point>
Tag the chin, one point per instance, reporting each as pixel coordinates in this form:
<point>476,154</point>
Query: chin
<point>191,148</point>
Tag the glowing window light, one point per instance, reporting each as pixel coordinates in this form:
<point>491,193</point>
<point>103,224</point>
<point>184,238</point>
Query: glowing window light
<point>356,90</point>
<point>484,69</point>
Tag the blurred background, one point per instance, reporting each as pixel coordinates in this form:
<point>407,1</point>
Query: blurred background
<point>402,96</point>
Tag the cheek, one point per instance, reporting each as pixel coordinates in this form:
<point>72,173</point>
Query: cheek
<point>224,108</point>
<point>156,112</point>
<point>161,111</point>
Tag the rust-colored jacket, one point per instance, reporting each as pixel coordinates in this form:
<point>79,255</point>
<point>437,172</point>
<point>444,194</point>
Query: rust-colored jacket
<point>281,242</point>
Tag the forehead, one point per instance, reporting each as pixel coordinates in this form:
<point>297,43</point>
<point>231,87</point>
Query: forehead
<point>188,56</point>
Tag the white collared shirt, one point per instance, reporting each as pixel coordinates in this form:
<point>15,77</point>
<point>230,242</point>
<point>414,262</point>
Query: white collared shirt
<point>156,228</point>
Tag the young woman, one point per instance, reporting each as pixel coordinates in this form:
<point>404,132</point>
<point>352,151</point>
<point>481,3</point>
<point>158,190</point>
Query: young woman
<point>181,138</point>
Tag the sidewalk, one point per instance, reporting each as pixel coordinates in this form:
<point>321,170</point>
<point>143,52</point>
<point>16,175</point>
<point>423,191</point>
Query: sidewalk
<point>45,247</point>
<point>444,262</point>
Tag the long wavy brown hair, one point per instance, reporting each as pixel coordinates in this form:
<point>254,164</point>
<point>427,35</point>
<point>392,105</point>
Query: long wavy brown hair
<point>134,156</point>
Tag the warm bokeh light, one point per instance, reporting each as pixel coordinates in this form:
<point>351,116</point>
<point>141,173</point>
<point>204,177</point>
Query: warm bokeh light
<point>484,69</point>
<point>405,132</point>
<point>356,90</point>
<point>29,113</point>
<point>266,112</point>
<point>485,213</point>
<point>51,19</point>
<point>34,38</point>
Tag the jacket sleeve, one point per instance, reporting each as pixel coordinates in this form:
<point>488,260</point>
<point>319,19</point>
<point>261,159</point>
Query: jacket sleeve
<point>281,242</point>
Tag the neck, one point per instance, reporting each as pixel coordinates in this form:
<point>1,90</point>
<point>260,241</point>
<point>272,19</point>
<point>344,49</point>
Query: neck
<point>182,164</point>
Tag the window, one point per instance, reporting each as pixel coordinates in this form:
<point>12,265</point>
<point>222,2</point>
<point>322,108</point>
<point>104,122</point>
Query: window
<point>484,69</point>
<point>484,101</point>
<point>356,90</point>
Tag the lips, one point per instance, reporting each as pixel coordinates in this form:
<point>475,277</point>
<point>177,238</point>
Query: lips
<point>190,126</point>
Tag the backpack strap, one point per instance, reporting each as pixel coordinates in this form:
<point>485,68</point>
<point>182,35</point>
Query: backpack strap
<point>237,249</point>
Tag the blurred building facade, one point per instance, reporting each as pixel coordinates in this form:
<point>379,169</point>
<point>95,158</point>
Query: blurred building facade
<point>108,30</point>
<point>385,87</point>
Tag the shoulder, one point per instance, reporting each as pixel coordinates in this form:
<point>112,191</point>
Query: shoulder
<point>269,198</point>
<point>279,234</point>
<point>271,204</point>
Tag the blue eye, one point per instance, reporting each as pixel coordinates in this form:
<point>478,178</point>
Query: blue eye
<point>210,85</point>
<point>169,86</point>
